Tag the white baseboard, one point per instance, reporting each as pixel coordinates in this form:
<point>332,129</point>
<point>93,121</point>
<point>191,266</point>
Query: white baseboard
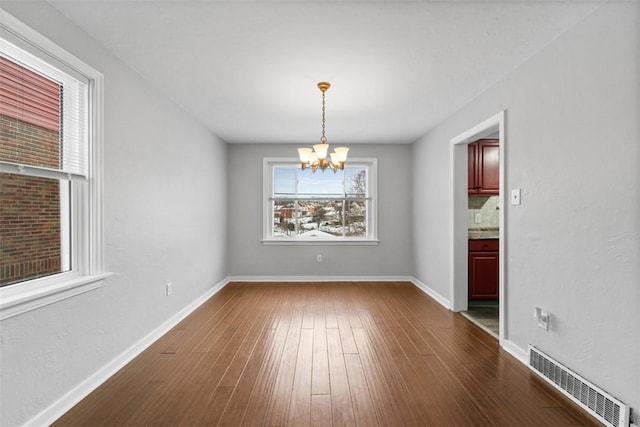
<point>70,399</point>
<point>424,288</point>
<point>320,279</point>
<point>516,351</point>
<point>75,395</point>
<point>433,294</point>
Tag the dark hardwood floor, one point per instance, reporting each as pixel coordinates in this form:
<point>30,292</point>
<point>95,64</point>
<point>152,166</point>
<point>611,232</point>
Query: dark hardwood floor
<point>325,354</point>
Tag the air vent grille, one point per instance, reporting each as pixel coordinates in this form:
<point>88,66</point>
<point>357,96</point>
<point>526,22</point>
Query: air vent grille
<point>600,404</point>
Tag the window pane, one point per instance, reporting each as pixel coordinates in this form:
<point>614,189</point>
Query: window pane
<point>30,228</point>
<point>320,218</point>
<point>320,183</point>
<point>356,181</point>
<point>284,181</point>
<point>283,218</point>
<point>29,117</point>
<point>322,205</point>
<point>356,218</point>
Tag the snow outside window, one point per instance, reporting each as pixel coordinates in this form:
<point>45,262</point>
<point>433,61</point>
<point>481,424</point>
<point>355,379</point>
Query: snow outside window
<point>321,207</point>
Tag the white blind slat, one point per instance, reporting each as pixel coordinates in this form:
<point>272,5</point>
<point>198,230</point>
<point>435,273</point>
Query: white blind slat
<point>15,168</point>
<point>74,110</point>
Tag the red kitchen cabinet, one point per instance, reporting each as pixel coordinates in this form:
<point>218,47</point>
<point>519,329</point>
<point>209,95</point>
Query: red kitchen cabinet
<point>483,269</point>
<point>484,167</point>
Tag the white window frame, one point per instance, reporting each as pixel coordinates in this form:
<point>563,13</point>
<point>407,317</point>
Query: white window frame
<point>87,271</point>
<point>267,198</point>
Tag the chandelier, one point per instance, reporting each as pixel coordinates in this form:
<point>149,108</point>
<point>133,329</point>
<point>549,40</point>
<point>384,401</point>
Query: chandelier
<point>316,157</point>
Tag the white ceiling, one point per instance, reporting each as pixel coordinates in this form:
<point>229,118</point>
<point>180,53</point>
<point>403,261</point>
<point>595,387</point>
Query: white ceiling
<point>248,69</point>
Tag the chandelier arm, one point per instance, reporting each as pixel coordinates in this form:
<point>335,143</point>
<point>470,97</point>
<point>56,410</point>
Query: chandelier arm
<point>319,159</point>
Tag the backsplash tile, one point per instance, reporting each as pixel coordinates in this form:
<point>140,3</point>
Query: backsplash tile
<point>487,207</point>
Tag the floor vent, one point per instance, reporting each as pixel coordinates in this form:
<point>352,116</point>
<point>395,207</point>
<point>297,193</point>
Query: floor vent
<point>606,408</point>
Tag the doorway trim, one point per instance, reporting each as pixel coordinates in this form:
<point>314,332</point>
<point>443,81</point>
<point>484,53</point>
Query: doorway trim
<point>459,206</point>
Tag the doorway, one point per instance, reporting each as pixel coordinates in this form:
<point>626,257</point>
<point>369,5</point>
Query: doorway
<point>494,127</point>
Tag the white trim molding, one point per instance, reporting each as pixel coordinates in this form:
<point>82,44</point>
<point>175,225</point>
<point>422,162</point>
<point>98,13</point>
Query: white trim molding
<point>16,303</point>
<point>317,279</point>
<point>516,351</point>
<point>269,164</point>
<point>458,214</point>
<point>86,255</point>
<point>432,293</point>
<point>74,396</point>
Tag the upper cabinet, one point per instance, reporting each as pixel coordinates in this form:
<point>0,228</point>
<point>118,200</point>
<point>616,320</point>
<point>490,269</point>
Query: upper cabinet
<point>484,167</point>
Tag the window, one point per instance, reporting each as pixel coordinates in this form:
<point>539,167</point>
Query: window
<point>50,170</point>
<point>35,209</point>
<point>321,207</point>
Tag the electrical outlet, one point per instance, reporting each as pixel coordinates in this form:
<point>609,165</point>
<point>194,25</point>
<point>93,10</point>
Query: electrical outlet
<point>541,317</point>
<point>515,197</point>
<point>169,288</point>
<point>319,258</point>
<point>478,218</point>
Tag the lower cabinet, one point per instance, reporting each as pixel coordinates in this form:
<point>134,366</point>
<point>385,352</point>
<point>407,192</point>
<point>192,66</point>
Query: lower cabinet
<point>483,269</point>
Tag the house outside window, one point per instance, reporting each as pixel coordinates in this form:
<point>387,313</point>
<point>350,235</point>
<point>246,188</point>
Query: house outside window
<point>34,209</point>
<point>50,172</point>
<point>324,207</point>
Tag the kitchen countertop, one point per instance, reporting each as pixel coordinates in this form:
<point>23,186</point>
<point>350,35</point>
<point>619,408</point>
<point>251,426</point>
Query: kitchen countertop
<point>483,233</point>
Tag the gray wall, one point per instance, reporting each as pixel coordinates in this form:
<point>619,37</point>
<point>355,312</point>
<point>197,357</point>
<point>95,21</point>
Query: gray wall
<point>179,203</point>
<point>165,190</point>
<point>573,246</point>
<point>249,257</point>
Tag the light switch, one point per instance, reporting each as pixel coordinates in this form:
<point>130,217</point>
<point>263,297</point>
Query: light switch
<point>515,197</point>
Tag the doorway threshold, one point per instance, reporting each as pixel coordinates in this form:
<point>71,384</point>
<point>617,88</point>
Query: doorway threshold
<point>486,317</point>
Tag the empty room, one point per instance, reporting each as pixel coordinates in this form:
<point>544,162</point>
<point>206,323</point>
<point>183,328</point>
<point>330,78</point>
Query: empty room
<point>310,213</point>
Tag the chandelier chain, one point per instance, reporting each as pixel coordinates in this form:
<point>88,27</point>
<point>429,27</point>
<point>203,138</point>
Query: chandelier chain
<point>319,157</point>
<point>324,138</point>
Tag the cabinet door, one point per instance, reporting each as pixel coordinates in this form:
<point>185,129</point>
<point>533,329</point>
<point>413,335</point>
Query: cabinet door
<point>488,160</point>
<point>483,275</point>
<point>473,169</point>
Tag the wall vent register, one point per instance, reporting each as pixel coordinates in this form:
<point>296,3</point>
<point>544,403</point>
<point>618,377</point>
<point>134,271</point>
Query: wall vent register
<point>597,402</point>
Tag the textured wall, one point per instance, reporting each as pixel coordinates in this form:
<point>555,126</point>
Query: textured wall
<point>164,215</point>
<point>249,257</point>
<point>573,246</point>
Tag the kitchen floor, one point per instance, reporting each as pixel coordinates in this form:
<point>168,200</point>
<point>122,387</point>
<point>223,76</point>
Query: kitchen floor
<point>485,316</point>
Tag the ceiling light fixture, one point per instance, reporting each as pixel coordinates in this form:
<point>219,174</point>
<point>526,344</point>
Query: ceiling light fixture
<point>317,157</point>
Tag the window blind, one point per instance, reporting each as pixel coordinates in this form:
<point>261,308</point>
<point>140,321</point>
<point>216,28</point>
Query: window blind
<point>28,96</point>
<point>37,93</point>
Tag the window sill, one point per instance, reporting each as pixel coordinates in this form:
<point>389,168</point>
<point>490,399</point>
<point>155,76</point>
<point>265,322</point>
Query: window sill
<point>319,242</point>
<point>20,299</point>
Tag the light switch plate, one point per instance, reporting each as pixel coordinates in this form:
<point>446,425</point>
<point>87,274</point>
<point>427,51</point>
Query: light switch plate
<point>515,197</point>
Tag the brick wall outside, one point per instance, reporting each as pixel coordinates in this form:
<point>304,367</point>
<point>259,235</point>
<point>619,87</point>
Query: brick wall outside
<point>30,206</point>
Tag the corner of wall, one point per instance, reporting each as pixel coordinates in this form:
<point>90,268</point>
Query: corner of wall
<point>432,293</point>
<point>79,392</point>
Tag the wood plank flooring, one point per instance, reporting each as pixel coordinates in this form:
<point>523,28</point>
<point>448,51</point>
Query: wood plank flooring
<point>325,354</point>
